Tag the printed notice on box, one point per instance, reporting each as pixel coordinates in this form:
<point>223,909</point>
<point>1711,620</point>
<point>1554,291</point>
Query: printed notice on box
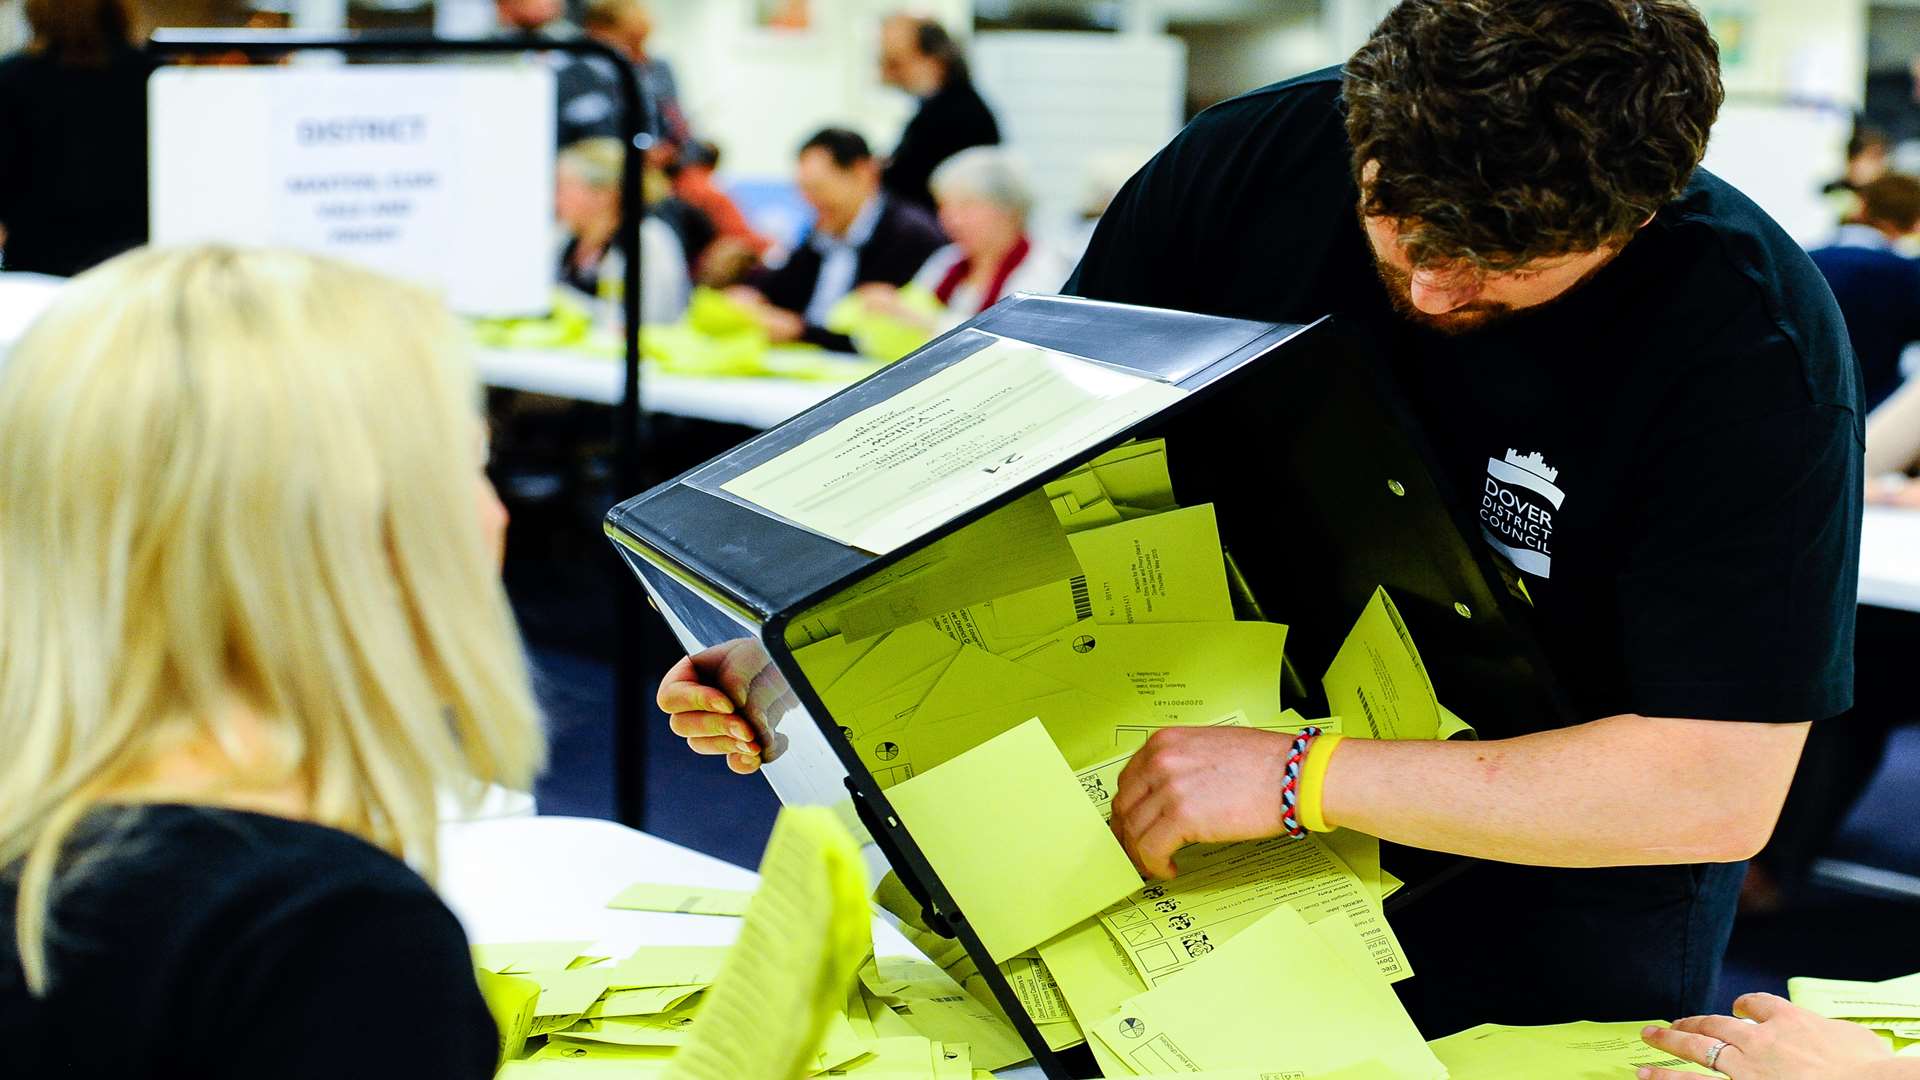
<point>439,174</point>
<point>983,426</point>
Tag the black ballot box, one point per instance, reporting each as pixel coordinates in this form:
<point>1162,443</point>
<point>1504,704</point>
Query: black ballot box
<point>1293,435</point>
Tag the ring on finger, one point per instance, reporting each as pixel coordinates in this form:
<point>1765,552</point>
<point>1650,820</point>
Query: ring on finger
<point>1712,1060</point>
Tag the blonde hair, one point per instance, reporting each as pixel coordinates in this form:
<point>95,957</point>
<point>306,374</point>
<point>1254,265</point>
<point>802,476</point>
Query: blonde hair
<point>244,482</point>
<point>599,162</point>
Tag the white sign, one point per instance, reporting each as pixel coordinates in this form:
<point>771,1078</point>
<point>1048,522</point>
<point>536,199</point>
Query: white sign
<point>435,173</point>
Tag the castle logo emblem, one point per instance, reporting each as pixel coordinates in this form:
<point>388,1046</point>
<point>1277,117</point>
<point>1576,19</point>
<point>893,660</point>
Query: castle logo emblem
<point>1517,510</point>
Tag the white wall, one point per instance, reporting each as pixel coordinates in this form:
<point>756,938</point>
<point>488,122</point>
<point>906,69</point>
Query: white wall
<point>760,94</point>
<point>1076,106</point>
<point>13,26</point>
<point>1794,72</point>
<point>1227,60</point>
<point>1793,48</point>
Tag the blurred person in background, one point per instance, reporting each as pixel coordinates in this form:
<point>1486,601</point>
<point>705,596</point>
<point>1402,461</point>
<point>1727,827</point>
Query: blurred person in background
<point>862,235</point>
<point>546,18</point>
<point>984,201</point>
<point>586,89</point>
<point>1869,156</point>
<point>626,25</point>
<point>917,55</point>
<point>253,629</point>
<point>737,246</point>
<point>73,138</point>
<point>1878,288</point>
<point>586,197</point>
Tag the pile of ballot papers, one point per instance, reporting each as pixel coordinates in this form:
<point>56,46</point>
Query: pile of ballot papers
<point>997,683</point>
<point>1890,1008</point>
<point>799,994</point>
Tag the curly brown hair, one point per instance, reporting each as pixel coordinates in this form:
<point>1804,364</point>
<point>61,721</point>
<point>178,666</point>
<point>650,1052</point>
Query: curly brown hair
<point>1507,131</point>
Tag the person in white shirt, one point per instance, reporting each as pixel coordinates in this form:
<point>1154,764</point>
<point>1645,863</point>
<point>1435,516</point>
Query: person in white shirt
<point>984,201</point>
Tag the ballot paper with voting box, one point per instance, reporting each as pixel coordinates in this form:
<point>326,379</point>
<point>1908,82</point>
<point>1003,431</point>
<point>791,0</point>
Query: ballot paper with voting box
<point>955,599</point>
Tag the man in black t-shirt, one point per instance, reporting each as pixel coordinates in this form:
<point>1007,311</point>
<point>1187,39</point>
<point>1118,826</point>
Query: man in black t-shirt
<point>1645,389</point>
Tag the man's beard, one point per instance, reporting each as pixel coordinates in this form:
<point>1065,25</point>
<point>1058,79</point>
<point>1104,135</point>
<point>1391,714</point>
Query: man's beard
<point>1471,317</point>
<point>1461,320</point>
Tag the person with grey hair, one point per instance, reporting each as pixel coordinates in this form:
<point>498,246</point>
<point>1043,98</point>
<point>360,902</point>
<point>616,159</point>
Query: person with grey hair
<point>984,200</point>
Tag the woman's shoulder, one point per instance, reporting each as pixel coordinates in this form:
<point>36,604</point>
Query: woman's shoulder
<point>224,927</point>
<point>237,866</point>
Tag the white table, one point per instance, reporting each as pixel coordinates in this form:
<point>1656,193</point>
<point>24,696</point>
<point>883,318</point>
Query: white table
<point>1890,558</point>
<point>759,402</point>
<point>549,879</point>
<point>755,402</point>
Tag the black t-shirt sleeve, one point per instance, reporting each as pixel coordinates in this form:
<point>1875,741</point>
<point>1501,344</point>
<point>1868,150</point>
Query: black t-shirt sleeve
<point>1738,591</point>
<point>368,983</point>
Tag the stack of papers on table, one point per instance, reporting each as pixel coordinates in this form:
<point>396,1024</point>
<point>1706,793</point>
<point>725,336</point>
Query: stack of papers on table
<point>799,994</point>
<point>1891,1008</point>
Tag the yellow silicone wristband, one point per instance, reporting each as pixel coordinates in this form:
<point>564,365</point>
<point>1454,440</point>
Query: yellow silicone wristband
<point>1313,771</point>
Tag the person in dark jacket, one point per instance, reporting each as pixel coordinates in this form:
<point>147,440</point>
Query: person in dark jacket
<point>919,56</point>
<point>862,235</point>
<point>73,138</point>
<point>1878,288</point>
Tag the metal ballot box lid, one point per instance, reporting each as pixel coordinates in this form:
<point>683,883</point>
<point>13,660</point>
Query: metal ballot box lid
<point>1294,433</point>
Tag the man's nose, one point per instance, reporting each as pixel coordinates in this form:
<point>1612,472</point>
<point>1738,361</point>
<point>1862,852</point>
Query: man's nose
<point>1437,296</point>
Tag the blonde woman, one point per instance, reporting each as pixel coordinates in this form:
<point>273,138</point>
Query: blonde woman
<point>250,621</point>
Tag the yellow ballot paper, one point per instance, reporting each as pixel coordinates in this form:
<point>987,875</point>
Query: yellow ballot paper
<point>1010,834</point>
<point>935,1005</point>
<point>569,992</point>
<point>1377,682</point>
<point>1095,976</point>
<point>805,935</point>
<point>985,425</point>
<point>645,1001</point>
<point>1223,889</point>
<point>1579,1051</point>
<point>682,899</point>
<point>1017,547</point>
<point>1007,622</point>
<point>1038,992</point>
<point>1161,569</point>
<point>1282,996</point>
<point>1190,673</point>
<point>511,999</point>
<point>1894,1000</point>
<point>668,965</point>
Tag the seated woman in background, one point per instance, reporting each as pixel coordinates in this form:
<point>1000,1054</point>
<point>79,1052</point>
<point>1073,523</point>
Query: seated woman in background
<point>251,623</point>
<point>1893,448</point>
<point>984,200</point>
<point>586,198</point>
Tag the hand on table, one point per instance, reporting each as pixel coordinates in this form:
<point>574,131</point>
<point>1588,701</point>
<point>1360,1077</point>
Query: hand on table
<point>782,326</point>
<point>1199,785</point>
<point>1787,1043</point>
<point>704,694</point>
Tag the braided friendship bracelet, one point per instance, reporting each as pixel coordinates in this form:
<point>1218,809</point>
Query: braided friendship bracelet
<point>1290,789</point>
